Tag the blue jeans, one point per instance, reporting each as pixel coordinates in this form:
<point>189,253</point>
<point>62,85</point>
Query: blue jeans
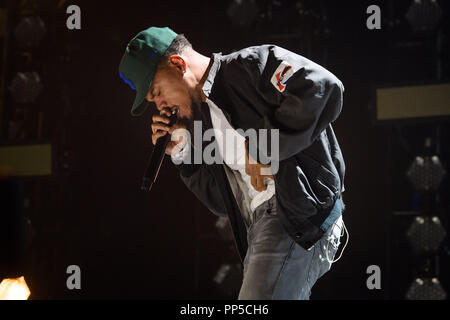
<point>275,266</point>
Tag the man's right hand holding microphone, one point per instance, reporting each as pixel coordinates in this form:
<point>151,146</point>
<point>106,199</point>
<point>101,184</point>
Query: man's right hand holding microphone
<point>160,128</point>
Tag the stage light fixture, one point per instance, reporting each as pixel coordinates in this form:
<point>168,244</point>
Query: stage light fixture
<point>426,234</point>
<point>426,289</point>
<point>14,289</point>
<point>30,31</point>
<point>26,87</point>
<point>426,173</point>
<point>424,15</point>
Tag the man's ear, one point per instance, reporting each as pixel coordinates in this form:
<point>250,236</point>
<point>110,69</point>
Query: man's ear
<point>178,62</point>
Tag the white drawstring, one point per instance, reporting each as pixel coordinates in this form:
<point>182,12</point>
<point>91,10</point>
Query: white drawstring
<point>344,229</point>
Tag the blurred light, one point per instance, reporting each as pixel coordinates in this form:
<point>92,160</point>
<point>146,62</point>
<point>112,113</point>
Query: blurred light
<point>426,173</point>
<point>14,289</point>
<point>30,31</point>
<point>224,228</point>
<point>426,234</point>
<point>229,278</point>
<point>242,12</point>
<point>26,87</point>
<point>424,15</point>
<point>426,289</point>
<point>222,273</point>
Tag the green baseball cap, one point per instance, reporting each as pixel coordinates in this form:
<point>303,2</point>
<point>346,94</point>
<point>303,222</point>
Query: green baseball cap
<point>138,65</point>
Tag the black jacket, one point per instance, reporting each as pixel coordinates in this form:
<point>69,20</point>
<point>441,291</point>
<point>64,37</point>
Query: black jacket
<point>268,87</point>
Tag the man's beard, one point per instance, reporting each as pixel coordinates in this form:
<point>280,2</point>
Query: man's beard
<point>196,114</point>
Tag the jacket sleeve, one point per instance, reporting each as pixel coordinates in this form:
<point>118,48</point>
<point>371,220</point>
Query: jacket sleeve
<point>303,104</point>
<point>199,179</point>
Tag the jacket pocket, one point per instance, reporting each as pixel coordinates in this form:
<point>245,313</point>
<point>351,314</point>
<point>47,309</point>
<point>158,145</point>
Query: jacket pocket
<point>323,182</point>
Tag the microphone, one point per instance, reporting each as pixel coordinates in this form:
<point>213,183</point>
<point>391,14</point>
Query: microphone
<point>157,156</point>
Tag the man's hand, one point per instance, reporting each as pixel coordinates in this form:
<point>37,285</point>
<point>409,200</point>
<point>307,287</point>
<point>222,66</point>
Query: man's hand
<point>160,128</point>
<point>253,169</point>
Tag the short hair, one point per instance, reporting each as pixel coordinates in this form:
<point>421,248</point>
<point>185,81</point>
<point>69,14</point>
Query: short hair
<point>178,46</point>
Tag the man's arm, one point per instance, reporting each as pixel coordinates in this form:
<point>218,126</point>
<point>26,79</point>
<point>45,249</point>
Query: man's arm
<point>306,97</point>
<point>197,177</point>
<point>199,180</point>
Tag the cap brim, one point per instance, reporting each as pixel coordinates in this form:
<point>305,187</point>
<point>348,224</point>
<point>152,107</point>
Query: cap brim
<point>140,104</point>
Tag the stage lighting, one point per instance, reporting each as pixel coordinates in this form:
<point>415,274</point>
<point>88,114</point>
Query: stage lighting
<point>30,31</point>
<point>26,87</point>
<point>424,15</point>
<point>14,289</point>
<point>224,228</point>
<point>426,234</point>
<point>426,289</point>
<point>426,173</point>
<point>228,279</point>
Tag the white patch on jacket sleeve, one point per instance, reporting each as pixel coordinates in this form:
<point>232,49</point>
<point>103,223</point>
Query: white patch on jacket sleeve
<point>281,76</point>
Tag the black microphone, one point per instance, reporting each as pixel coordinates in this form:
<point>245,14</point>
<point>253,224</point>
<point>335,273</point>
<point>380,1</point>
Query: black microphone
<point>157,156</point>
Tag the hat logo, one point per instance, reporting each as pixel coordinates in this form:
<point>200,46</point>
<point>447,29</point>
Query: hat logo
<point>152,54</point>
<point>127,81</point>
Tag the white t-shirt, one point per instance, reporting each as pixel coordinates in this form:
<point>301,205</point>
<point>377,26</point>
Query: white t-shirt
<point>232,149</point>
<point>231,146</point>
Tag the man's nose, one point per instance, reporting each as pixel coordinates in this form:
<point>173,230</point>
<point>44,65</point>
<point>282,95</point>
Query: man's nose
<point>160,104</point>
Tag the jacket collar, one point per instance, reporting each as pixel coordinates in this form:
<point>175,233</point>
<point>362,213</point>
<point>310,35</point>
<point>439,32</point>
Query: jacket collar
<point>207,86</point>
<point>209,82</point>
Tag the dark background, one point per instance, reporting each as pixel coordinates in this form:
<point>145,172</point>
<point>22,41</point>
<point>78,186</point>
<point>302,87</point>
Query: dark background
<point>164,245</point>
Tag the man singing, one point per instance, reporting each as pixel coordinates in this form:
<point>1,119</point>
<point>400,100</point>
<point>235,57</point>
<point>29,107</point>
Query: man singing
<point>286,219</point>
